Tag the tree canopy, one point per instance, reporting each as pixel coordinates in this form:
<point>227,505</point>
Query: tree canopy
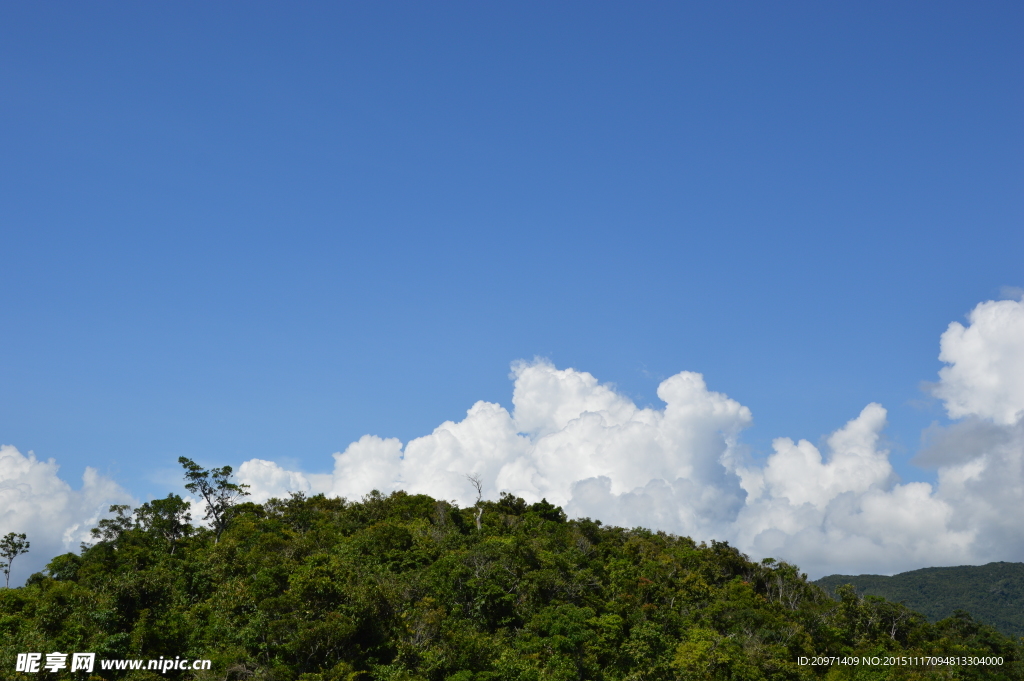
<point>994,592</point>
<point>404,587</point>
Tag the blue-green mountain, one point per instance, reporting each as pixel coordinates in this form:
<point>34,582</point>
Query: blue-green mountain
<point>992,593</point>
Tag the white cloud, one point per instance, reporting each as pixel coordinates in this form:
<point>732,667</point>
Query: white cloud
<point>266,479</point>
<point>56,518</point>
<point>846,512</point>
<point>986,486</point>
<point>797,473</point>
<point>680,468</point>
<point>582,445</point>
<point>570,440</point>
<point>985,376</point>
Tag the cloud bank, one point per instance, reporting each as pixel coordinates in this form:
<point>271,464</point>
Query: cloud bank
<point>681,468</point>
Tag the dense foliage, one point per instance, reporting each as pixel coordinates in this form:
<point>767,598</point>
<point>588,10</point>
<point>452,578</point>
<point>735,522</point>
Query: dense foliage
<point>405,587</point>
<point>993,593</point>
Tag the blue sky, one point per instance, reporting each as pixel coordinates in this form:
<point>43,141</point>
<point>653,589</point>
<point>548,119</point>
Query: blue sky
<point>263,230</point>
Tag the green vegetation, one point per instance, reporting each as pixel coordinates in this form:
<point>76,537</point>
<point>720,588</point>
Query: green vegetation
<point>993,593</point>
<point>406,588</point>
<point>216,489</point>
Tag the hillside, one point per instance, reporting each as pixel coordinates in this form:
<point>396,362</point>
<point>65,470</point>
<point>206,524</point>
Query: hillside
<point>409,588</point>
<point>992,593</point>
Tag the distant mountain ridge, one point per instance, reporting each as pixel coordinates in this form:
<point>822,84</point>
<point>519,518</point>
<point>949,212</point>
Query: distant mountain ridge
<point>992,593</point>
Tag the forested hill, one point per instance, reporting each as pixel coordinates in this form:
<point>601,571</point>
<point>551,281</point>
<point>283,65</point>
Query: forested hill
<point>993,593</point>
<point>409,588</point>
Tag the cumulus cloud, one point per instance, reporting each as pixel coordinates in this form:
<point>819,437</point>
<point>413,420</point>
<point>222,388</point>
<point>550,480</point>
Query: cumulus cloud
<point>681,468</point>
<point>56,518</point>
<point>570,440</point>
<point>980,458</point>
<point>846,510</point>
<point>985,376</point>
<point>266,479</point>
<point>580,444</point>
<point>851,511</point>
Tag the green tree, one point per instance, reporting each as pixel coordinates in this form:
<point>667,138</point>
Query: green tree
<point>216,489</point>
<point>12,546</point>
<point>111,529</point>
<point>405,588</point>
<point>167,518</point>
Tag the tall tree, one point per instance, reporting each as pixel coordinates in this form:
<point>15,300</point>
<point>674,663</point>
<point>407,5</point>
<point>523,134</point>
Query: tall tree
<point>478,485</point>
<point>216,489</point>
<point>12,546</point>
<point>168,518</point>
